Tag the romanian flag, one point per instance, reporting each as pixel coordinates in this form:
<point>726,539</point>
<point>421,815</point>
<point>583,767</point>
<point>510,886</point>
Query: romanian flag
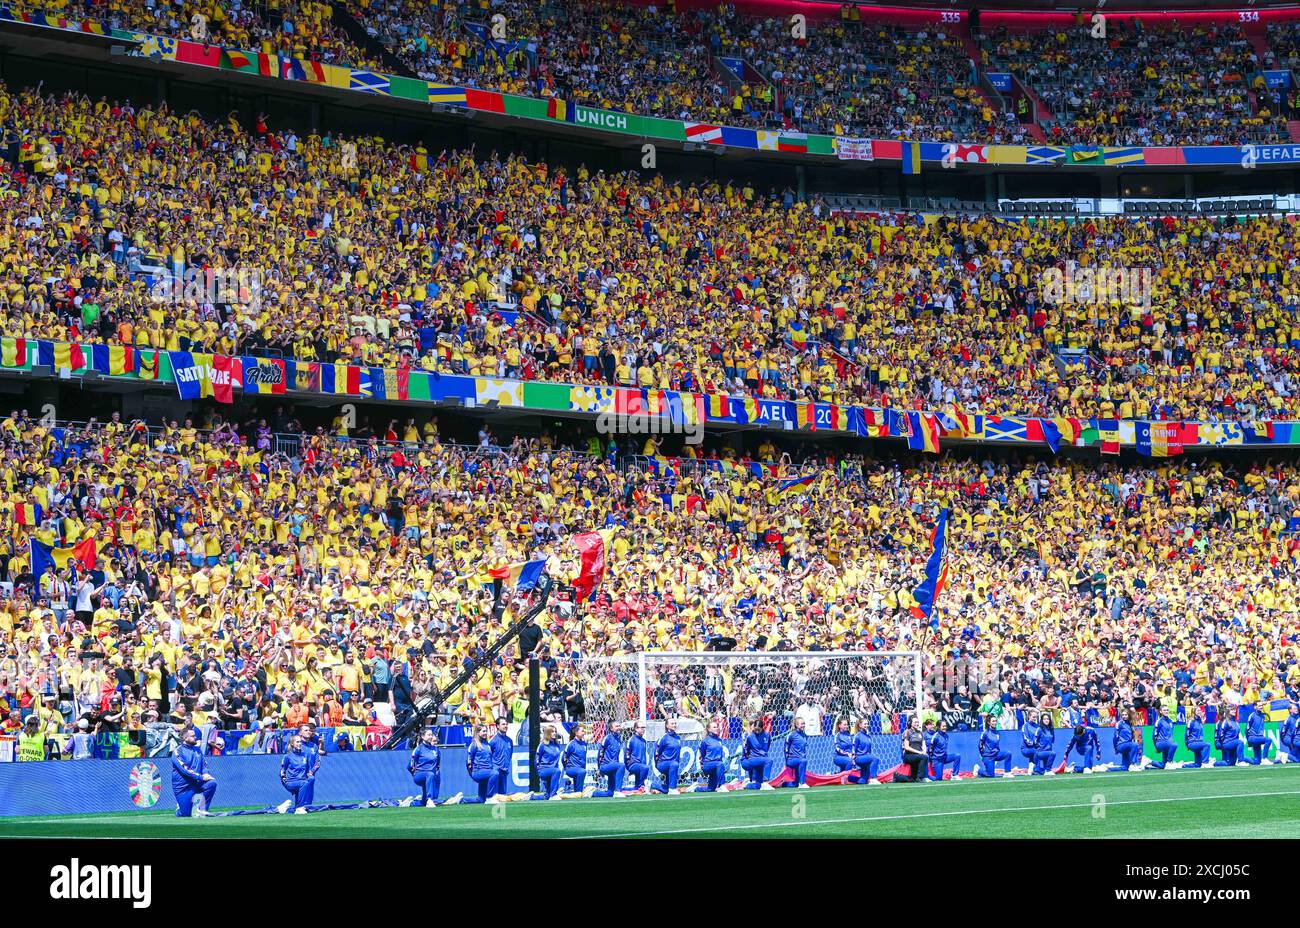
<point>563,110</point>
<point>28,514</point>
<point>749,411</point>
<point>806,416</point>
<point>1070,429</point>
<point>798,335</point>
<point>69,357</point>
<point>719,406</point>
<point>13,352</point>
<point>46,558</point>
<point>114,361</point>
<point>340,378</point>
<point>936,573</point>
<point>797,486</point>
<point>923,432</point>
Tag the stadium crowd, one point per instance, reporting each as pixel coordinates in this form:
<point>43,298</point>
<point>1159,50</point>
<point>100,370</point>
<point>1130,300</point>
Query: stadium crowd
<point>1142,86</point>
<point>383,254</point>
<point>301,28</point>
<point>1134,86</point>
<point>236,584</point>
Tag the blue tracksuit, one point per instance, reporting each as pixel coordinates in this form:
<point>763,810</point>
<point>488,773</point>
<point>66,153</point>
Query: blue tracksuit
<point>1089,747</point>
<point>1290,737</point>
<point>1028,740</point>
<point>1129,750</point>
<point>796,756</point>
<point>940,759</point>
<point>609,763</point>
<point>1227,738</point>
<point>503,750</point>
<point>548,769</point>
<point>188,782</point>
<point>426,770</point>
<point>478,759</point>
<point>574,762</point>
<point>713,763</point>
<point>1044,750</point>
<point>668,759</point>
<point>863,759</point>
<point>1256,740</point>
<point>1163,737</point>
<point>637,759</point>
<point>1194,740</point>
<point>843,756</point>
<point>991,753</point>
<point>298,774</point>
<point>753,758</point>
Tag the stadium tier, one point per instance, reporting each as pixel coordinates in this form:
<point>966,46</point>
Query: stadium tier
<point>639,510</point>
<point>882,73</point>
<point>393,256</point>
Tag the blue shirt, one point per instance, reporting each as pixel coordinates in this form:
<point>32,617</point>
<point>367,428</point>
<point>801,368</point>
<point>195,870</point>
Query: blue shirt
<point>756,745</point>
<point>990,742</point>
<point>712,750</point>
<point>575,755</point>
<point>1123,734</point>
<point>796,747</point>
<point>1088,741</point>
<point>861,744</point>
<point>1225,731</point>
<point>548,754</point>
<point>637,750</point>
<point>426,759</point>
<point>669,749</point>
<point>296,765</point>
<point>479,757</point>
<point>187,764</point>
<point>610,750</point>
<point>502,749</point>
<point>843,744</point>
<point>1195,732</point>
<point>1164,729</point>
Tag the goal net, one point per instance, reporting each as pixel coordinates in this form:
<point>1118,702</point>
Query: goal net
<point>735,688</point>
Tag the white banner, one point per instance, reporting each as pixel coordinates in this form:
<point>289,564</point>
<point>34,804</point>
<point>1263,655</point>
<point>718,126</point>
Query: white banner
<point>848,149</point>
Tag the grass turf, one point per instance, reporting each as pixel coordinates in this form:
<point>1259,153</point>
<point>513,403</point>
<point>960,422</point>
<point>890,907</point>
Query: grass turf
<point>1258,802</point>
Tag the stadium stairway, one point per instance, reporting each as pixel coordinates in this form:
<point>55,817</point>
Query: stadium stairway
<point>1257,33</point>
<point>1293,129</point>
<point>376,49</point>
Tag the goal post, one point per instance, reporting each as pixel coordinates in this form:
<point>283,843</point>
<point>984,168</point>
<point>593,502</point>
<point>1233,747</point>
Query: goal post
<point>736,687</point>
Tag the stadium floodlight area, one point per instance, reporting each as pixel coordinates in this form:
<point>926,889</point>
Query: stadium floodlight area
<point>736,687</point>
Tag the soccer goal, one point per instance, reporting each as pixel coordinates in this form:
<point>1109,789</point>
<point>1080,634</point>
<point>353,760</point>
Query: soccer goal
<point>736,687</point>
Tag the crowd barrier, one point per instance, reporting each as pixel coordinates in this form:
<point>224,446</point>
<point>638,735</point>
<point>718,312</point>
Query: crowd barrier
<point>252,781</point>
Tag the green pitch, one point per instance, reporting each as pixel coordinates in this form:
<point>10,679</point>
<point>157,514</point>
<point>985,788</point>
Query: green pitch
<point>1257,802</point>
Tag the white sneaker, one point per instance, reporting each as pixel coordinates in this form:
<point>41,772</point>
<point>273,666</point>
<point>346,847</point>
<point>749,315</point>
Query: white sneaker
<point>201,813</point>
<point>766,785</point>
<point>284,806</point>
<point>1283,759</point>
<point>1266,762</point>
<point>556,798</point>
<point>1007,774</point>
<point>492,800</point>
<point>586,793</point>
<point>301,810</point>
<point>1086,770</point>
<point>620,795</point>
<point>873,782</point>
<point>673,792</point>
<point>430,804</point>
<point>803,785</point>
<point>1242,763</point>
<point>454,800</point>
<point>1175,765</point>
